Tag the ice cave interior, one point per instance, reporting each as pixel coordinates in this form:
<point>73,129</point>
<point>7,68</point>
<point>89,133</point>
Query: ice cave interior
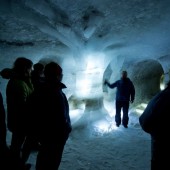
<point>92,40</point>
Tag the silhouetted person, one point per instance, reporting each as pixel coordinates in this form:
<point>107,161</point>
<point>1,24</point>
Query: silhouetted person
<point>52,121</point>
<point>155,121</point>
<point>125,94</point>
<point>18,90</point>
<point>37,76</point>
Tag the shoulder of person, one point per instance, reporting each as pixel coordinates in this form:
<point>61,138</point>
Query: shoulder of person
<point>17,83</point>
<point>130,80</point>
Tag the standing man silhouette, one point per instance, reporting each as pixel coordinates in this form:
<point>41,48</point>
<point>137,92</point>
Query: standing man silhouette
<point>125,93</point>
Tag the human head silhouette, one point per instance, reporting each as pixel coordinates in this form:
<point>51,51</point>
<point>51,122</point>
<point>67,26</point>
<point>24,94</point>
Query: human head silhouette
<point>53,72</point>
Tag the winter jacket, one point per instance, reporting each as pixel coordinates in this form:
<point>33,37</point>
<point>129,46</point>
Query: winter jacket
<point>50,111</point>
<point>156,116</point>
<point>125,90</point>
<point>17,94</point>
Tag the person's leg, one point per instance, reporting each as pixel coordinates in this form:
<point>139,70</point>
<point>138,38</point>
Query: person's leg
<point>15,149</point>
<point>4,158</point>
<point>159,152</point>
<point>28,147</point>
<point>50,155</point>
<point>118,113</point>
<point>125,118</point>
<point>153,153</point>
<point>48,158</point>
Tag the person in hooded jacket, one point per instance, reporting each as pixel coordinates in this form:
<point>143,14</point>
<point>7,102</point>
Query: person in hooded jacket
<point>18,90</point>
<point>125,93</point>
<point>155,121</point>
<point>51,123</point>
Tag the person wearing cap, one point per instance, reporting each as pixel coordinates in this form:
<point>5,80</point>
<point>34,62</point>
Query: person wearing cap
<point>125,93</point>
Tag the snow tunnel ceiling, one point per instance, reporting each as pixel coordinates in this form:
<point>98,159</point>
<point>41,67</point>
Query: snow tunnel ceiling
<point>132,28</point>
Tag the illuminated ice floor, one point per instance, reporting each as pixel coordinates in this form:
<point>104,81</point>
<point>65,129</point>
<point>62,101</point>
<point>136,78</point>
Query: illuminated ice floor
<point>95,144</point>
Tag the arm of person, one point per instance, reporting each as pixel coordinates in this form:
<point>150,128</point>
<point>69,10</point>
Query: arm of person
<point>113,85</point>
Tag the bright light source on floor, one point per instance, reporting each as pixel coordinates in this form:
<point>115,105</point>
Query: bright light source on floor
<point>103,127</point>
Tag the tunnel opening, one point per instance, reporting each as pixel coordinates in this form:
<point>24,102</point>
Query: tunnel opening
<point>147,76</point>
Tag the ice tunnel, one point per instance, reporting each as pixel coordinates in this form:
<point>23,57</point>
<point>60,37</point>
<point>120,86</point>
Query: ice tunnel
<point>92,41</point>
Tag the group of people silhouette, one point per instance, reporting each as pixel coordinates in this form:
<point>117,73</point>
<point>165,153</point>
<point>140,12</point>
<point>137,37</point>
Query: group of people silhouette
<point>37,116</point>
